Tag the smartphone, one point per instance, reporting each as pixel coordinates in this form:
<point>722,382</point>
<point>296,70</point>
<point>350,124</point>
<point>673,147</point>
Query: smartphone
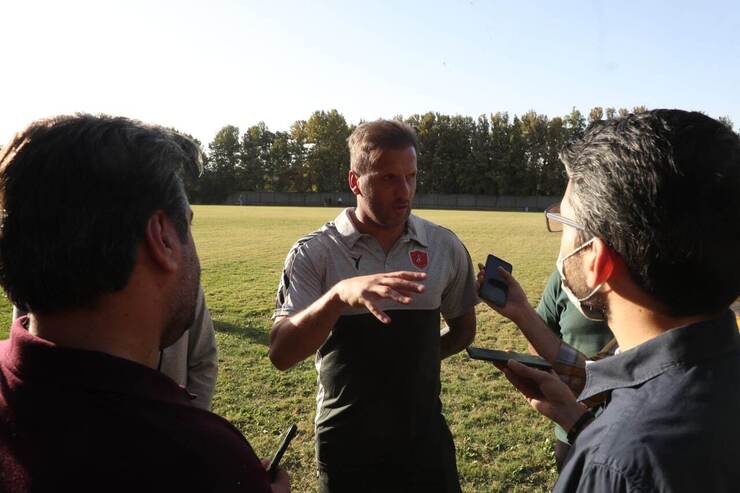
<point>275,462</point>
<point>494,287</point>
<point>504,356</point>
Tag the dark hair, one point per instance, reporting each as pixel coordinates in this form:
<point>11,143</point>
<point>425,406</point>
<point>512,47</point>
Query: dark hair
<point>76,193</point>
<point>662,188</point>
<point>370,139</point>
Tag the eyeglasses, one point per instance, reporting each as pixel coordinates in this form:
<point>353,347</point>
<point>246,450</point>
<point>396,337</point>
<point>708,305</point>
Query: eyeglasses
<point>554,221</point>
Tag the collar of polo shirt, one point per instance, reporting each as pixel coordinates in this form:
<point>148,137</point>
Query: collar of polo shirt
<point>350,234</point>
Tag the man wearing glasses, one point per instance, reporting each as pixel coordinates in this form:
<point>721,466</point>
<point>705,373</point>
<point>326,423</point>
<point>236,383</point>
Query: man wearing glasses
<point>649,243</point>
<point>589,335</point>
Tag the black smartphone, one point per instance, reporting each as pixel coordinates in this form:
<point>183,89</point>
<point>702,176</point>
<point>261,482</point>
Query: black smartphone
<point>275,462</point>
<point>504,356</point>
<point>494,287</point>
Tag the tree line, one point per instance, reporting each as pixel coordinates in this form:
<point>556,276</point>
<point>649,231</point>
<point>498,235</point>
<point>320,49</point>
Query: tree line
<point>493,154</point>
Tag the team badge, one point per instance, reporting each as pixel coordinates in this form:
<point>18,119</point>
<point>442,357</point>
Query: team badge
<point>419,258</point>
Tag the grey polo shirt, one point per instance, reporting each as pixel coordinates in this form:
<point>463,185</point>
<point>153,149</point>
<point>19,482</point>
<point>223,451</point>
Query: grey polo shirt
<point>378,385</point>
<point>671,422</point>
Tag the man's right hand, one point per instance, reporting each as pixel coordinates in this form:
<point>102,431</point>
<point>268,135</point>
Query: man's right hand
<point>366,291</point>
<point>546,393</point>
<point>281,484</point>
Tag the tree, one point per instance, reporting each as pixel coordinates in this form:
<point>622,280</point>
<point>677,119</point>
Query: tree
<point>328,156</point>
<point>280,176</point>
<point>575,124</point>
<point>534,129</point>
<point>219,177</point>
<point>478,180</point>
<point>553,178</point>
<point>500,153</point>
<point>596,114</point>
<point>426,135</point>
<point>255,171</point>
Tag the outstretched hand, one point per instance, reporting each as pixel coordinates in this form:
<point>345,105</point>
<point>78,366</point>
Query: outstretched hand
<point>366,291</point>
<point>546,393</point>
<point>517,304</point>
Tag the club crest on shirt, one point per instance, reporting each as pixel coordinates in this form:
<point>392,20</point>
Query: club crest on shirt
<point>419,258</point>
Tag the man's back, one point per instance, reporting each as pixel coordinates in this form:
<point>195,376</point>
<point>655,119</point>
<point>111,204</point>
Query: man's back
<point>73,420</point>
<point>671,422</point>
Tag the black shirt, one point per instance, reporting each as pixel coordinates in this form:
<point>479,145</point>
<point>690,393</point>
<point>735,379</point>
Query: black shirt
<point>671,423</point>
<point>74,420</point>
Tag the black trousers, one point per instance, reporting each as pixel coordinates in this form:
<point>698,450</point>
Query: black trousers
<point>421,477</point>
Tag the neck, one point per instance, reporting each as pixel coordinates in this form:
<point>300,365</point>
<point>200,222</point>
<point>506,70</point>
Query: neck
<point>387,237</point>
<point>634,322</point>
<point>126,324</point>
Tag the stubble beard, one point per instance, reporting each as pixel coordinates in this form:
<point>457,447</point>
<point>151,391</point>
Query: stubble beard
<point>577,283</point>
<point>183,303</point>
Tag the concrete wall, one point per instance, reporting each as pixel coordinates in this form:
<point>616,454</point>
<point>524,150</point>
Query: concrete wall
<point>421,201</point>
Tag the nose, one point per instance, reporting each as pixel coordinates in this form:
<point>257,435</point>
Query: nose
<point>405,188</point>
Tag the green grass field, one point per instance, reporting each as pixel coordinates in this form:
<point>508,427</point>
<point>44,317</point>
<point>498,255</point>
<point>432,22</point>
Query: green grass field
<point>502,445</point>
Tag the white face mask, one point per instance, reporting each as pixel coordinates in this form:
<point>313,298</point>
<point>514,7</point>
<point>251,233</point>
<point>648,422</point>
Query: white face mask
<point>588,311</point>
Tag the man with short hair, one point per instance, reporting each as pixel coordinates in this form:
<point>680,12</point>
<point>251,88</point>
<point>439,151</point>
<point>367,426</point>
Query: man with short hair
<point>365,293</point>
<point>650,244</point>
<point>96,245</point>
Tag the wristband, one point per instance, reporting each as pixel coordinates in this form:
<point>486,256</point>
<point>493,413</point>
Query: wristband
<point>579,425</point>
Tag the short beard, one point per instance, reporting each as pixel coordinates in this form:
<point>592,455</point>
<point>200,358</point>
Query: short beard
<point>577,283</point>
<point>183,303</point>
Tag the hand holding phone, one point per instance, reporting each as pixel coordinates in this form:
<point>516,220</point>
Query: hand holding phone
<point>275,462</point>
<point>497,356</point>
<point>494,288</point>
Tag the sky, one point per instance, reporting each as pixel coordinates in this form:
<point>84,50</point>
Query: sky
<point>198,66</point>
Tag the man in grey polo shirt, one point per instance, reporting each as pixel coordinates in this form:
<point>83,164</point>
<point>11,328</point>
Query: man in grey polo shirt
<point>365,293</point>
<point>650,244</point>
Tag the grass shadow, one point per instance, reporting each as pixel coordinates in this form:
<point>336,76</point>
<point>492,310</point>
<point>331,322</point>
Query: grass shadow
<point>245,332</point>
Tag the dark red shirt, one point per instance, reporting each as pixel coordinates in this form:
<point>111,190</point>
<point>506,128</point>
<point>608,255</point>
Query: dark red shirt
<point>74,420</point>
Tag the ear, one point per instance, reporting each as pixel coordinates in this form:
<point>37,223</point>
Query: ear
<point>599,263</point>
<point>354,182</point>
<point>162,241</point>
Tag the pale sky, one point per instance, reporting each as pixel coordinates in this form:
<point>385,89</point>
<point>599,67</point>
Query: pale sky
<point>198,66</point>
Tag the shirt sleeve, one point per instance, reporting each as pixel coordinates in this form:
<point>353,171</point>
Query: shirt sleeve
<point>460,294</point>
<point>570,366</point>
<point>202,356</point>
<point>300,284</point>
<point>547,308</point>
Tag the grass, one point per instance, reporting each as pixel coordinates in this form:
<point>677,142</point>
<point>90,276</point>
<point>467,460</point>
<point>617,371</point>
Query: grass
<point>502,445</point>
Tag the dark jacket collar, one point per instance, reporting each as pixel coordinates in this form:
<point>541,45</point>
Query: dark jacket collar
<point>687,345</point>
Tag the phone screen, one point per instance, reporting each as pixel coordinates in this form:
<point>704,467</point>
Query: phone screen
<point>504,356</point>
<point>494,288</point>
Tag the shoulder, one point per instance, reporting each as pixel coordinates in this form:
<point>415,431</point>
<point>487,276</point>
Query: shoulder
<point>554,285</point>
<point>439,236</point>
<point>312,245</point>
<point>652,437</point>
<point>551,294</point>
